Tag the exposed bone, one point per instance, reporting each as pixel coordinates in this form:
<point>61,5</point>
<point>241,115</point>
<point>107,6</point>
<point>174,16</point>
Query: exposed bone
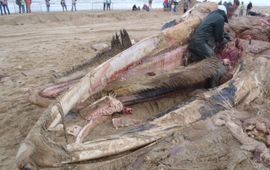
<point>124,122</point>
<point>74,130</point>
<point>107,105</point>
<point>246,27</point>
<point>43,96</point>
<point>81,91</point>
<point>100,111</point>
<point>38,150</point>
<point>160,63</point>
<point>54,91</point>
<point>112,69</point>
<point>200,10</point>
<point>173,120</point>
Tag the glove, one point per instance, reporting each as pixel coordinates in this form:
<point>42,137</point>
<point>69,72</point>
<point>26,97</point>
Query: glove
<point>224,42</point>
<point>220,46</point>
<point>227,36</point>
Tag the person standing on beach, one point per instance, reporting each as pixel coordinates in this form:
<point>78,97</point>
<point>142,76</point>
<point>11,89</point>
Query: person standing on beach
<point>23,6</point>
<point>63,4</point>
<point>241,12</point>
<point>146,8</point>
<point>150,3</point>
<point>104,5</point>
<point>249,7</point>
<point>175,3</point>
<point>47,2</point>
<point>170,4</point>
<point>5,7</point>
<point>166,4</point>
<point>18,2</point>
<point>74,5</point>
<point>28,6</point>
<point>1,5</point>
<point>109,4</point>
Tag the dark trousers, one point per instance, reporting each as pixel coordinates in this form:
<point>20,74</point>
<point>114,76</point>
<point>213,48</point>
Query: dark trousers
<point>48,8</point>
<point>73,7</point>
<point>108,6</point>
<point>201,50</point>
<point>214,80</point>
<point>21,8</point>
<point>1,9</point>
<point>6,10</point>
<point>64,7</point>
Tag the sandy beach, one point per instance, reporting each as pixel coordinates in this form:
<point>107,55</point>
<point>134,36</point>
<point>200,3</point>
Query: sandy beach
<point>36,46</point>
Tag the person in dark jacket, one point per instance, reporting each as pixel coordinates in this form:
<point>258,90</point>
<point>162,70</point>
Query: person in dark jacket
<point>249,7</point>
<point>208,35</point>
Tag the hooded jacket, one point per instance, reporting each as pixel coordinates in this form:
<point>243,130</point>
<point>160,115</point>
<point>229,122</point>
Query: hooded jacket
<point>211,28</point>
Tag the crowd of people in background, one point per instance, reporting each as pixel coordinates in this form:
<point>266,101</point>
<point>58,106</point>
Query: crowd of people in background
<point>242,8</point>
<point>168,5</point>
<point>171,5</point>
<point>145,7</point>
<point>63,5</point>
<point>24,6</point>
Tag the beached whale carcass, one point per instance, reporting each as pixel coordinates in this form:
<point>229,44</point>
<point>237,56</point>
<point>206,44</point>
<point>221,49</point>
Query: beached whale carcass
<point>40,150</point>
<point>255,28</point>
